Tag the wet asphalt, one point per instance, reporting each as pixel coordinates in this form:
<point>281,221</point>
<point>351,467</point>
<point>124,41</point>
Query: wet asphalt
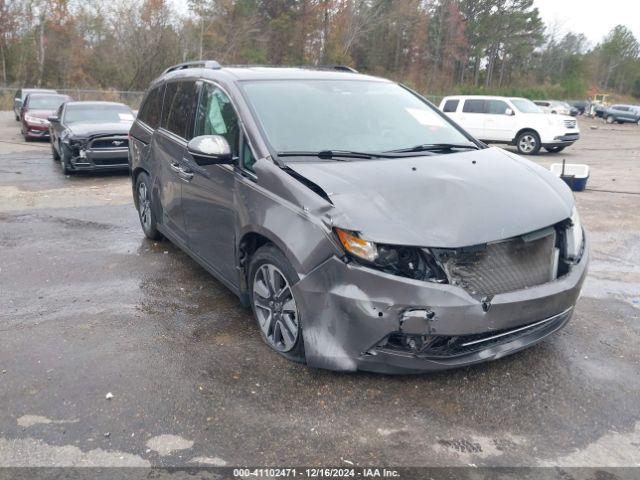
<point>88,307</point>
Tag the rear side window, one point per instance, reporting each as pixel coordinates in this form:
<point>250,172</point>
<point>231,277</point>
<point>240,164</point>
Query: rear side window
<point>450,105</point>
<point>496,107</point>
<point>179,105</point>
<point>152,107</point>
<point>473,106</point>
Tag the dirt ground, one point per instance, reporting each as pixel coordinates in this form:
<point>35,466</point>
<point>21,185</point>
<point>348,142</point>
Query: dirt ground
<point>89,307</point>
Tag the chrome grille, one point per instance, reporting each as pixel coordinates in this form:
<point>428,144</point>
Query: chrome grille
<point>109,143</point>
<point>505,266</point>
<point>570,123</point>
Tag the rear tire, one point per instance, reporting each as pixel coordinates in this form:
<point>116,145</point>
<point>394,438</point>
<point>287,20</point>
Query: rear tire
<point>144,204</point>
<point>271,277</point>
<point>554,149</point>
<point>528,143</point>
<point>55,154</point>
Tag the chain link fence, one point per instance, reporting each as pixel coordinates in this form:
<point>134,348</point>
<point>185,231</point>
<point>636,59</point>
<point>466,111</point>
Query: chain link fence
<point>131,98</point>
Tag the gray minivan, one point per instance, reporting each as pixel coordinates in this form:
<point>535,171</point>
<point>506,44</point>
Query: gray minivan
<point>366,230</point>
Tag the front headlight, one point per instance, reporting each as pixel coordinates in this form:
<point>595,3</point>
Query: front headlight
<point>575,237</point>
<point>31,119</point>
<point>357,246</point>
<point>411,262</point>
<point>73,142</point>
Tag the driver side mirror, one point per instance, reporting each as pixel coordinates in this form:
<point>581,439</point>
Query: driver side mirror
<point>53,119</point>
<point>509,112</point>
<point>210,150</point>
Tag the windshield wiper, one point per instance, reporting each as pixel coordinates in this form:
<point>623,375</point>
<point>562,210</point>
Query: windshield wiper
<point>435,147</point>
<point>333,154</point>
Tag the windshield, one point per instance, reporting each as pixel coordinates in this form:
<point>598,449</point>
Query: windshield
<point>349,115</point>
<point>97,114</point>
<point>46,102</point>
<point>525,106</point>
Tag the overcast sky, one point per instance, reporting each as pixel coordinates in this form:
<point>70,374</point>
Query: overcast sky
<point>594,18</point>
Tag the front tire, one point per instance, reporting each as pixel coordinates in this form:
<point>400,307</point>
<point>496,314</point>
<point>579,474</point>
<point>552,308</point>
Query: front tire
<point>144,204</point>
<point>274,306</point>
<point>54,153</point>
<point>554,149</point>
<point>64,162</point>
<point>610,119</point>
<point>528,143</point>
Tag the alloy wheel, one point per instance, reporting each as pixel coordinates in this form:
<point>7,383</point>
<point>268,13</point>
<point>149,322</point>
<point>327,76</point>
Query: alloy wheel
<point>275,308</point>
<point>144,205</point>
<point>527,143</point>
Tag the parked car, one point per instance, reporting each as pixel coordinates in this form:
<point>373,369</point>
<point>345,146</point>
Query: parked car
<point>622,114</point>
<point>598,110</point>
<point>556,106</point>
<point>18,98</point>
<point>514,121</point>
<point>581,105</point>
<point>35,111</point>
<point>91,136</point>
<point>324,200</point>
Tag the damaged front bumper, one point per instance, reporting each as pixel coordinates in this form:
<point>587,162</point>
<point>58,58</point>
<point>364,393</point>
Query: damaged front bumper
<point>359,318</point>
<point>86,158</point>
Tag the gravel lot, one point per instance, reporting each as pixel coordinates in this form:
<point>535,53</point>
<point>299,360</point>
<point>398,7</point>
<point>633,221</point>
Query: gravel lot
<point>88,307</point>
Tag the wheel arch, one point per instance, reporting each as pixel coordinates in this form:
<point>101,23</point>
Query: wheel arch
<point>251,238</point>
<point>135,173</point>
<point>523,130</point>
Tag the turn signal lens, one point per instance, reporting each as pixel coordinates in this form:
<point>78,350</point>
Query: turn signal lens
<point>357,246</point>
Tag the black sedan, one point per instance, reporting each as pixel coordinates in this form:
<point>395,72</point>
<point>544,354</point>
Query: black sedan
<point>91,136</point>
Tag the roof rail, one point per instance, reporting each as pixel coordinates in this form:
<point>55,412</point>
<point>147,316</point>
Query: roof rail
<point>196,64</point>
<point>344,68</point>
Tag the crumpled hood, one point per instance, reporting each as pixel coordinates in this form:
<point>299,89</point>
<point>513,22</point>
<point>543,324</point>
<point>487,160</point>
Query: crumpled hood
<point>89,129</point>
<point>451,200</point>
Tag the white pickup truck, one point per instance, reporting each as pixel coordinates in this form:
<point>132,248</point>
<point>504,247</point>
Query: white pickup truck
<point>515,121</point>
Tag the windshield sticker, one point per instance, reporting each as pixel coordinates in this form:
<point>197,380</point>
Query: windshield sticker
<point>125,116</point>
<point>425,117</point>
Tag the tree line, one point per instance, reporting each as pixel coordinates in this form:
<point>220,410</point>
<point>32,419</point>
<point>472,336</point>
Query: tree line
<point>435,46</point>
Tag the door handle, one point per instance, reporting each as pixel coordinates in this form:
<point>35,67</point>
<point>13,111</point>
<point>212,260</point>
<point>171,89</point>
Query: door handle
<point>184,174</point>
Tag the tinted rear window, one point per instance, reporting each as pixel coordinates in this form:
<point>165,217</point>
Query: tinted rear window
<point>152,108</point>
<point>450,105</point>
<point>179,105</point>
<point>473,106</point>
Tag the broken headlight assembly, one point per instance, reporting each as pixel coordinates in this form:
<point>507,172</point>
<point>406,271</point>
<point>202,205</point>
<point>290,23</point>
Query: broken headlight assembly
<point>574,237</point>
<point>410,262</point>
<point>74,143</point>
